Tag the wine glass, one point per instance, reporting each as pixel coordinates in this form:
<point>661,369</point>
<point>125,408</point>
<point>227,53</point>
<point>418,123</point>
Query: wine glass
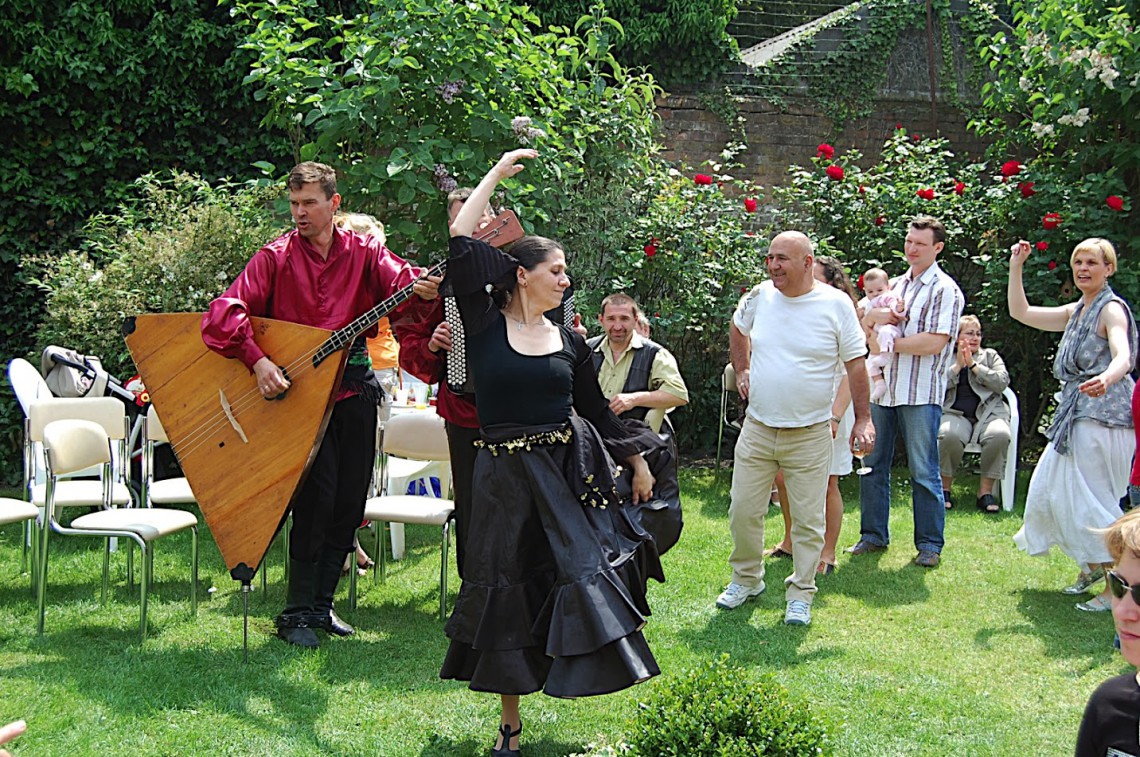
<point>857,451</point>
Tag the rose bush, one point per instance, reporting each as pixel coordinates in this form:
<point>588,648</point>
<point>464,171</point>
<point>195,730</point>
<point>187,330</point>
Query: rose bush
<point>863,218</point>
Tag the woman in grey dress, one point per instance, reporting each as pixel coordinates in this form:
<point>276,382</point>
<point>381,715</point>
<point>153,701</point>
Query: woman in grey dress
<point>1084,470</point>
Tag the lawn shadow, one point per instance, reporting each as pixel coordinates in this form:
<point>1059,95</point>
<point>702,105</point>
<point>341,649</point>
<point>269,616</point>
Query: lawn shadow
<point>130,683</point>
<point>864,578</point>
<point>441,746</point>
<point>1050,616</point>
<point>770,645</point>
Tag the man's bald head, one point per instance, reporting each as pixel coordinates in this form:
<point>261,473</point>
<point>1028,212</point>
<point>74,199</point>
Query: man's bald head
<point>790,260</point>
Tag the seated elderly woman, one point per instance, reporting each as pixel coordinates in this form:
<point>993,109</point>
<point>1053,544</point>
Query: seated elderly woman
<point>974,411</point>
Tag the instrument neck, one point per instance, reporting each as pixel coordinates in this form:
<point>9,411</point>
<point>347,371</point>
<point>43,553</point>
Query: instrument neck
<point>343,337</point>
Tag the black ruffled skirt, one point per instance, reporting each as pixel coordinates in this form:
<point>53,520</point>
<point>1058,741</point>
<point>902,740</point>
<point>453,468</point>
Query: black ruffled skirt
<point>553,596</point>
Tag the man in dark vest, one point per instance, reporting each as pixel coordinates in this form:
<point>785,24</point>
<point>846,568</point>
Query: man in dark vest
<point>639,376</point>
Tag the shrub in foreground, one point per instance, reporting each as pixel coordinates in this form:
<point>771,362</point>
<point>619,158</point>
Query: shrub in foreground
<point>719,709</point>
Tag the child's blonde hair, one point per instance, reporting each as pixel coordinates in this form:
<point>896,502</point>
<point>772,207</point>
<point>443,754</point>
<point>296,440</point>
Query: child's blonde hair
<point>363,224</point>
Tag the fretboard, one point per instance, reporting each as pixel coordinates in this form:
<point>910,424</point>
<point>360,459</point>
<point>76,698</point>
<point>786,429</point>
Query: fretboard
<point>341,338</point>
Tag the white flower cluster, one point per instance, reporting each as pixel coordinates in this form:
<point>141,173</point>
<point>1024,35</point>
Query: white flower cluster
<point>1099,65</point>
<point>1078,119</point>
<point>1042,130</point>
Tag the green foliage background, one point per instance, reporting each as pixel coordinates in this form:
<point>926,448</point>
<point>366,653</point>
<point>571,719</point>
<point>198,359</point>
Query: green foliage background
<point>93,94</point>
<point>679,41</point>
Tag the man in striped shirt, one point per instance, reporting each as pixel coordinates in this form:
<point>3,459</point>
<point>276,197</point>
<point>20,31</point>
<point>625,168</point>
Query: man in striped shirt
<point>916,385</point>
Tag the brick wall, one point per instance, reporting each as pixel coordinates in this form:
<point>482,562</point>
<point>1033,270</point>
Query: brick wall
<point>779,137</point>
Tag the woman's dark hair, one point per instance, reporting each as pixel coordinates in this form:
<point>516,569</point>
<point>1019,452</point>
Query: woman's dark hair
<point>529,251</point>
<point>836,276</point>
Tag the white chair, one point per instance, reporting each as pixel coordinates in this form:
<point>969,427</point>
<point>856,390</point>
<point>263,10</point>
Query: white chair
<point>29,386</point>
<point>394,475</point>
<point>1006,488</point>
<point>19,511</point>
<point>109,414</point>
<point>728,393</point>
<point>71,445</point>
<point>413,436</point>
<point>168,491</point>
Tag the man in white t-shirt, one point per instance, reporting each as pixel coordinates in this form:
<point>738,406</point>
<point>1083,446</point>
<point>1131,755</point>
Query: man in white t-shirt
<point>785,339</point>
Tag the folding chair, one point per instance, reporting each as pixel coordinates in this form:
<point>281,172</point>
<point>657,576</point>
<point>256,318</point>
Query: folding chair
<point>728,392</point>
<point>73,445</point>
<point>413,436</point>
<point>1006,488</point>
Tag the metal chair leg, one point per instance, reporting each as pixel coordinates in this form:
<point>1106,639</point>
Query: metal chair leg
<point>41,584</point>
<point>443,569</point>
<point>194,571</point>
<point>145,571</point>
<point>352,580</point>
<point>106,570</point>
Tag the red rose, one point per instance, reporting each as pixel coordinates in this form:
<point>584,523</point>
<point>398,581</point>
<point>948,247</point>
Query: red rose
<point>750,205</point>
<point>1027,189</point>
<point>860,282</point>
<point>825,151</point>
<point>898,127</point>
<point>1116,202</point>
<point>702,180</point>
<point>926,194</point>
<point>1010,168</point>
<point>1051,221</point>
<point>743,290</point>
<point>650,250</point>
<point>835,173</point>
<point>862,189</point>
<point>915,137</point>
<point>959,187</point>
<point>1042,246</point>
<point>879,221</point>
<point>1052,263</point>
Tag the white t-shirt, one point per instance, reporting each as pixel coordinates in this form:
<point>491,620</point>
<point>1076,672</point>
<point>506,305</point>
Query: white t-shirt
<point>796,345</point>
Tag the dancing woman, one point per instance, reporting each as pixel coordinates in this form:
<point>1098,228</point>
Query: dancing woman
<point>553,595</point>
<point>1077,484</point>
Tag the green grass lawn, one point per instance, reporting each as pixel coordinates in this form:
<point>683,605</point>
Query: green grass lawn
<point>982,655</point>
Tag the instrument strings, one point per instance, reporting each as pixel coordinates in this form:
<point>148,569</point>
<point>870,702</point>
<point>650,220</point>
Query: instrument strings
<point>300,366</point>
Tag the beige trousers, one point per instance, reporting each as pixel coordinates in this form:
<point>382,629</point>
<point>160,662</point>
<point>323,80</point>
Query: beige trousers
<point>804,454</point>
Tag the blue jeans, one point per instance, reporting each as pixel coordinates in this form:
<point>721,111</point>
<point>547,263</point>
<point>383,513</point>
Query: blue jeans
<point>919,427</point>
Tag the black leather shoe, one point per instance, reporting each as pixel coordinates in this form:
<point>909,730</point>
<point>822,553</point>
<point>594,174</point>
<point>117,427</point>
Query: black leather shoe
<point>988,504</point>
<point>297,628</point>
<point>334,625</point>
<point>863,546</point>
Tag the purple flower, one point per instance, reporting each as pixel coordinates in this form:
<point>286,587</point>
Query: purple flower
<point>447,184</point>
<point>520,124</point>
<point>449,90</point>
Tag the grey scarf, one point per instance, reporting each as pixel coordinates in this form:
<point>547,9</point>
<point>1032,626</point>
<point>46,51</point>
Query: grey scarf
<point>1078,360</point>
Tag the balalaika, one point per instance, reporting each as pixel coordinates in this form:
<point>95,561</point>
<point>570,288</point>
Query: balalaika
<point>245,458</point>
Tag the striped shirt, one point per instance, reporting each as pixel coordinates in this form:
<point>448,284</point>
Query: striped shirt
<point>934,304</point>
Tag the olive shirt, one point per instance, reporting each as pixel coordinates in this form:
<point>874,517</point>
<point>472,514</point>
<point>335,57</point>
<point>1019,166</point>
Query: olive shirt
<point>664,375</point>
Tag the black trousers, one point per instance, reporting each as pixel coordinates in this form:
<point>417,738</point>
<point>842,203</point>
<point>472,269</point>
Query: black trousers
<point>330,506</point>
<point>461,443</point>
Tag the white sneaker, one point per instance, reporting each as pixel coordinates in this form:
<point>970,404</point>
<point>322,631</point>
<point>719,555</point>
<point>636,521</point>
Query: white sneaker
<point>735,595</point>
<point>798,613</point>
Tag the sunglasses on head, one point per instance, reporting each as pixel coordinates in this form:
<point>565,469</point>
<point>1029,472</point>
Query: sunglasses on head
<point>1119,587</point>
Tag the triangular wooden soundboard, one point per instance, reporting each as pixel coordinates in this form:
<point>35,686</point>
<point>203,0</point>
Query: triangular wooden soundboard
<point>243,487</point>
